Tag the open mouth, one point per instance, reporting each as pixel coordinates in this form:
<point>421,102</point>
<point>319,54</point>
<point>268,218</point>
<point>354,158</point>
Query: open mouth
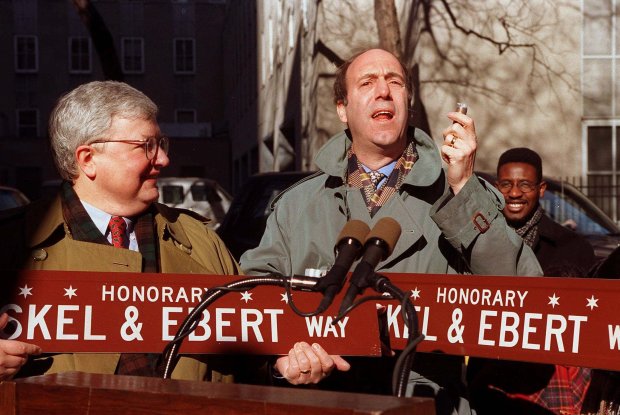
<point>383,115</point>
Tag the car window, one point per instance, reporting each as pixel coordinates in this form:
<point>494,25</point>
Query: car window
<point>173,194</point>
<point>203,193</point>
<point>565,210</point>
<point>10,200</point>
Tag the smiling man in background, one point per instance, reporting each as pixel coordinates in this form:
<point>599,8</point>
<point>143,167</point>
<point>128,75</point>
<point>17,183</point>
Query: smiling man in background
<point>509,387</point>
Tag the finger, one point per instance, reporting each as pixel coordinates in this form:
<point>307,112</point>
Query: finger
<point>314,359</point>
<point>326,362</point>
<point>4,319</point>
<point>9,363</point>
<point>17,348</point>
<point>292,371</point>
<point>340,363</point>
<point>462,119</point>
<point>308,362</point>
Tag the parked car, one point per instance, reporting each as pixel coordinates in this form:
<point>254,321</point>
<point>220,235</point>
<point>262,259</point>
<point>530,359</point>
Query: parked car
<point>244,224</point>
<point>567,205</point>
<point>203,196</point>
<point>11,198</point>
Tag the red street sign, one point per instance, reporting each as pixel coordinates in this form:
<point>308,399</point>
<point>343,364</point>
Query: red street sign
<point>568,321</point>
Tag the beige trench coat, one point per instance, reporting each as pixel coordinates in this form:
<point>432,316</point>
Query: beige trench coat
<point>42,241</point>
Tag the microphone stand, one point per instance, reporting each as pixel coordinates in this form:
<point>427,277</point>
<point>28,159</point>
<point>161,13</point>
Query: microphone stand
<point>402,367</point>
<point>171,351</point>
<point>404,362</point>
<point>380,283</point>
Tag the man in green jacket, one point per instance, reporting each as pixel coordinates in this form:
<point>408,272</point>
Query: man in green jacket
<point>109,149</point>
<point>451,221</point>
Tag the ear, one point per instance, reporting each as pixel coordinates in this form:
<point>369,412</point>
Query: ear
<point>84,157</point>
<point>542,188</point>
<point>342,111</point>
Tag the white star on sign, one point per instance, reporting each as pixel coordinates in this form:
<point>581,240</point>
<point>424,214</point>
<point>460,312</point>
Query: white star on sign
<point>25,291</point>
<point>553,301</point>
<point>415,293</point>
<point>70,292</point>
<point>284,297</point>
<point>592,302</point>
<point>246,296</point>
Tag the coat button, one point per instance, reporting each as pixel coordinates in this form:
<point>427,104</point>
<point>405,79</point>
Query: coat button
<point>39,255</point>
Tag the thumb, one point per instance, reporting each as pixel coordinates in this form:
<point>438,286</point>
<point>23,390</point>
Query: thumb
<point>4,319</point>
<point>32,349</point>
<point>340,363</point>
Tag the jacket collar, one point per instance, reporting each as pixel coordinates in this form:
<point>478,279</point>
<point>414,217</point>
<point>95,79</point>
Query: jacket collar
<point>45,218</point>
<point>332,158</point>
<point>168,225</point>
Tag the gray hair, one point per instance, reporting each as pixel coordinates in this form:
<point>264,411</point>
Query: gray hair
<point>86,113</point>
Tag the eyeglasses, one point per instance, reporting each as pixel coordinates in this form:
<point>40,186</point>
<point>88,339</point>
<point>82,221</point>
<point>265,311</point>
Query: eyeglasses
<point>151,145</point>
<point>506,186</point>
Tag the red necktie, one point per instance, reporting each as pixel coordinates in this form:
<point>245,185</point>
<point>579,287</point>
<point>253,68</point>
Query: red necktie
<point>118,230</point>
<point>136,364</point>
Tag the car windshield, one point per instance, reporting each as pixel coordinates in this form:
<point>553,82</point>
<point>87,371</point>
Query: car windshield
<point>9,199</point>
<point>204,193</point>
<point>564,209</point>
<point>173,194</point>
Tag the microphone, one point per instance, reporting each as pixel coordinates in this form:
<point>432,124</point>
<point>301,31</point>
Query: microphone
<point>348,248</point>
<point>378,246</point>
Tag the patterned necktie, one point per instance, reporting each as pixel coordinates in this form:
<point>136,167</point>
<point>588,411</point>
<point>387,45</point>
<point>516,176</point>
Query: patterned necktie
<point>118,230</point>
<point>376,177</point>
<point>135,364</point>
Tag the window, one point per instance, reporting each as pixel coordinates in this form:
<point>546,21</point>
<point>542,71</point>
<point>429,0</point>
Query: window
<point>79,55</point>
<point>173,195</point>
<point>27,123</point>
<point>26,54</point>
<point>184,56</point>
<point>132,50</point>
<point>185,116</point>
<point>600,87</point>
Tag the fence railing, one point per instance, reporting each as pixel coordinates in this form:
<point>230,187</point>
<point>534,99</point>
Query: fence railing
<point>601,191</point>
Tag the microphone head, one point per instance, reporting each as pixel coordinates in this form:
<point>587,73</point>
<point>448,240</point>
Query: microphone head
<point>386,230</point>
<point>354,229</point>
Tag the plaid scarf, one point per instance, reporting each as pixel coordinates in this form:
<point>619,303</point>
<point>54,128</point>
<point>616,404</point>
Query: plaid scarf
<point>565,392</point>
<point>375,198</point>
<point>529,231</point>
<point>83,228</point>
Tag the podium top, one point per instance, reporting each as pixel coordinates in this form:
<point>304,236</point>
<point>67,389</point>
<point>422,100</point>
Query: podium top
<point>85,393</point>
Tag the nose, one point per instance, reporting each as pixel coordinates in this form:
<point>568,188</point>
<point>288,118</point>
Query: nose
<point>382,88</point>
<point>515,192</point>
<point>161,160</point>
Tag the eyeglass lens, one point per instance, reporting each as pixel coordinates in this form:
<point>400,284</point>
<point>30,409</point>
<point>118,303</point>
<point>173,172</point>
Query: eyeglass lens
<point>154,143</point>
<point>525,187</point>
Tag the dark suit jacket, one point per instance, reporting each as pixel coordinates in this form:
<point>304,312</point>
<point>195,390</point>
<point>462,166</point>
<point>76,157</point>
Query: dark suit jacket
<point>561,253</point>
<point>559,248</point>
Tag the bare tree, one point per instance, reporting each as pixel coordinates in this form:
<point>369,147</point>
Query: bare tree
<point>507,57</point>
<point>387,26</point>
<point>388,29</point>
<point>102,39</point>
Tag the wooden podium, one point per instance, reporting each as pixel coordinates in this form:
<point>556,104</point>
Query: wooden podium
<point>94,394</point>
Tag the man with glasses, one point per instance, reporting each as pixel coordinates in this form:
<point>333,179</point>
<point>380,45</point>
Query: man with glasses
<point>519,178</point>
<point>109,150</point>
<point>529,388</point>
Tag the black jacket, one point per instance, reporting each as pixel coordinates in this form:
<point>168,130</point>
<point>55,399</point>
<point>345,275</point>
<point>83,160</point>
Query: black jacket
<point>559,248</point>
<point>561,253</point>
